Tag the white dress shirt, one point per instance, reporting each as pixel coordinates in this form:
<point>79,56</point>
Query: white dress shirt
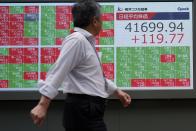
<point>77,69</point>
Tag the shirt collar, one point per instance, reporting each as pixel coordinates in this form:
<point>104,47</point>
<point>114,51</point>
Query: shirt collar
<point>84,32</point>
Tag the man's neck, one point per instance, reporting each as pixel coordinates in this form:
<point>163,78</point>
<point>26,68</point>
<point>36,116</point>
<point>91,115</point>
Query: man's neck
<point>91,30</point>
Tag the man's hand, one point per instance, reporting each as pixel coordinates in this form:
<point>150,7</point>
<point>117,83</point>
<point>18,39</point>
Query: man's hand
<point>38,113</point>
<point>124,97</point>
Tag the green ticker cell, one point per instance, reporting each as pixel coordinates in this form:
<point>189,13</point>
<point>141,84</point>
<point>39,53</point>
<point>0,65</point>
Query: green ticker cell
<point>31,29</point>
<point>47,15</point>
<point>15,76</point>
<point>183,58</point>
<point>48,18</point>
<point>30,67</point>
<point>48,25</point>
<point>167,66</point>
<point>108,25</point>
<point>137,66</point>
<point>3,67</point>
<point>47,41</point>
<point>107,50</point>
<point>123,83</point>
<point>151,66</point>
<point>167,74</point>
<point>4,75</point>
<point>15,83</point>
<point>45,67</point>
<point>15,68</point>
<point>106,41</point>
<point>149,74</point>
<point>4,51</point>
<point>182,66</point>
<point>29,84</point>
<point>48,9</point>
<point>184,74</point>
<point>182,50</point>
<point>62,33</point>
<point>138,74</point>
<point>107,55</point>
<point>48,33</point>
<point>107,59</point>
<point>107,9</point>
<point>152,58</point>
<point>71,25</point>
<point>152,52</point>
<point>167,50</point>
<point>16,9</point>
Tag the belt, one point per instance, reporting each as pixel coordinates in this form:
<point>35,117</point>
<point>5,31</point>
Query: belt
<point>86,97</point>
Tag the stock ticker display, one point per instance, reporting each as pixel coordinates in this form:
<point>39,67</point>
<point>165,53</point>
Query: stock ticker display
<point>142,47</point>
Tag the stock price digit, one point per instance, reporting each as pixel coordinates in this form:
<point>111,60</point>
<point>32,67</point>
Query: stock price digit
<point>154,27</point>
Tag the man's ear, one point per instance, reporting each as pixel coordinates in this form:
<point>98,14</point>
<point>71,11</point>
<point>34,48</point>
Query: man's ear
<point>94,21</point>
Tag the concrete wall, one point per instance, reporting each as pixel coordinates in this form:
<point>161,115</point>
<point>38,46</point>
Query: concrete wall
<point>142,115</point>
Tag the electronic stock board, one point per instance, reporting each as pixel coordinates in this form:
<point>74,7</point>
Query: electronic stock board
<point>143,45</point>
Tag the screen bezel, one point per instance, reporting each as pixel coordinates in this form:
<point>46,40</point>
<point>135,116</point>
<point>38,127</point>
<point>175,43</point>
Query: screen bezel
<point>136,94</point>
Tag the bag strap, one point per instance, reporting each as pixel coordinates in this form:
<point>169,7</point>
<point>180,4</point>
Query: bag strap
<point>106,84</point>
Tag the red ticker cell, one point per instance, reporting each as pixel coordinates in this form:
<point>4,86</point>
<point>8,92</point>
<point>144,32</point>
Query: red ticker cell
<point>138,82</point>
<point>3,59</point>
<point>16,33</point>
<point>30,41</point>
<point>31,9</point>
<point>168,82</point>
<point>17,25</point>
<point>71,31</point>
<point>3,83</point>
<point>168,58</point>
<point>50,52</point>
<point>4,40</point>
<point>108,69</point>
<point>63,17</point>
<point>4,25</point>
<point>62,25</point>
<point>97,49</point>
<point>17,17</point>
<point>30,75</point>
<point>108,17</point>
<point>48,59</point>
<point>107,33</point>
<point>4,33</point>
<point>182,82</point>
<point>63,9</point>
<point>30,59</point>
<point>31,51</point>
<point>97,40</point>
<point>4,9</point>
<point>59,41</point>
<point>16,51</point>
<point>15,59</point>
<point>43,75</point>
<point>16,40</point>
<point>71,17</point>
<point>153,82</point>
<point>4,17</point>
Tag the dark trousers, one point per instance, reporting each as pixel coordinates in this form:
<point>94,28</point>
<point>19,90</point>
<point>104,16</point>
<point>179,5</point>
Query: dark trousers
<point>84,113</point>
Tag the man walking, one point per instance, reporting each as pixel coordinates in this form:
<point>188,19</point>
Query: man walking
<point>78,69</point>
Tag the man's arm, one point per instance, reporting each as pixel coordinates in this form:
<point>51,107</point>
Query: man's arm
<point>123,96</point>
<point>38,113</point>
<point>71,54</point>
